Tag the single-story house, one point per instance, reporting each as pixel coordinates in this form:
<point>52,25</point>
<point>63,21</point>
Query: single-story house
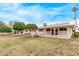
<point>62,30</point>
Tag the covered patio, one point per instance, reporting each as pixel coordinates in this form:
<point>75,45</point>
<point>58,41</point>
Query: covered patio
<point>56,31</point>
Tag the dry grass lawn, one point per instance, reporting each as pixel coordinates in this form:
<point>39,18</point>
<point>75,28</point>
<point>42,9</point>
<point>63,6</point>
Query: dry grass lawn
<point>38,46</point>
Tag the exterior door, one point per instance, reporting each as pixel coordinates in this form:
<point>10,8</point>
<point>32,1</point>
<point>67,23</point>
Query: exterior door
<point>56,32</point>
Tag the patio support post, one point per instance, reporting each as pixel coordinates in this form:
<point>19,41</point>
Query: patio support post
<point>54,30</point>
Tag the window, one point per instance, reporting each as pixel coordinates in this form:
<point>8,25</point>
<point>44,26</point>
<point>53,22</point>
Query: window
<point>63,29</point>
<point>40,29</point>
<point>47,29</point>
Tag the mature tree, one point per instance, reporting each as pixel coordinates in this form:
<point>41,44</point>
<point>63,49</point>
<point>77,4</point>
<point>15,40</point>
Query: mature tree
<point>5,29</point>
<point>20,26</point>
<point>31,27</point>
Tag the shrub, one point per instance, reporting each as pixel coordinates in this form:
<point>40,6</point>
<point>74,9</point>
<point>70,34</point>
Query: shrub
<point>76,34</point>
<point>5,29</point>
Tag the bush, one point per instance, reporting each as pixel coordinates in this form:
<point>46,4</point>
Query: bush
<point>5,29</point>
<point>76,34</point>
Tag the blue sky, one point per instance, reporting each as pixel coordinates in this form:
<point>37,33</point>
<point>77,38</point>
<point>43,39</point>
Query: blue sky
<point>38,13</point>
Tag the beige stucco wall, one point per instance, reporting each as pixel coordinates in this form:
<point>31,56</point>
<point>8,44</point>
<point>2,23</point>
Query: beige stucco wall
<point>61,34</point>
<point>69,31</point>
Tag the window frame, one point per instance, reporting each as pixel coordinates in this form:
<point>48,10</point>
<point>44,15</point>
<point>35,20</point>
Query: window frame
<point>48,29</point>
<point>40,30</point>
<point>63,29</point>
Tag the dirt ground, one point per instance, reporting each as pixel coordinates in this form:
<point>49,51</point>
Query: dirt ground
<point>38,46</point>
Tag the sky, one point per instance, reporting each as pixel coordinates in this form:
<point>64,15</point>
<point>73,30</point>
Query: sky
<point>38,13</point>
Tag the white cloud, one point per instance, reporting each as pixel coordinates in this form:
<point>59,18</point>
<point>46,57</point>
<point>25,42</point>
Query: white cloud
<point>33,14</point>
<point>78,22</point>
<point>9,6</point>
<point>72,22</point>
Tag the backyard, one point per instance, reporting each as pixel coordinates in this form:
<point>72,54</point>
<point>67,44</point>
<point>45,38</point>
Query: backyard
<point>38,46</point>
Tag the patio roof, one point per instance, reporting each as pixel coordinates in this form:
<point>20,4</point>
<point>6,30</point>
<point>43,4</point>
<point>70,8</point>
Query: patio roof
<point>57,25</point>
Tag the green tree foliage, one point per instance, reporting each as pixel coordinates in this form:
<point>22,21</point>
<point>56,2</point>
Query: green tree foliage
<point>31,27</point>
<point>5,29</point>
<point>1,23</point>
<point>19,26</point>
<point>74,9</point>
